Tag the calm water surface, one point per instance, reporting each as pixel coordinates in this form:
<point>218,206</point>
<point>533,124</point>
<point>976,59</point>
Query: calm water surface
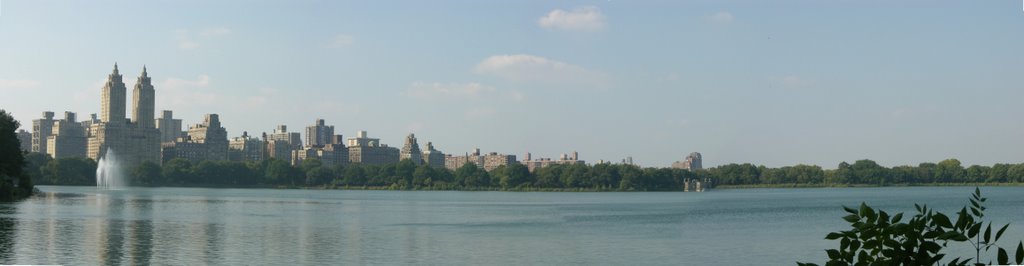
<point>189,226</point>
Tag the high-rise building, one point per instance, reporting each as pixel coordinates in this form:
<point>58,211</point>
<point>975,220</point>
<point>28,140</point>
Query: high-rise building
<point>411,150</point>
<point>25,139</point>
<point>319,135</point>
<point>487,162</point>
<point>281,143</point>
<point>365,150</point>
<point>206,141</point>
<point>41,131</point>
<point>246,149</point>
<point>534,164</point>
<point>433,158</point>
<point>112,108</point>
<point>333,154</point>
<point>692,162</point>
<point>68,138</point>
<point>143,101</point>
<point>134,142</point>
<point>170,128</point>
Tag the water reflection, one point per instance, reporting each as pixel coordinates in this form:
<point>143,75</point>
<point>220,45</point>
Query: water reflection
<point>8,229</point>
<point>172,226</point>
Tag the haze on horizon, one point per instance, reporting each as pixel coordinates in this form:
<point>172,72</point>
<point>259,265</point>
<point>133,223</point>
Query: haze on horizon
<point>790,82</point>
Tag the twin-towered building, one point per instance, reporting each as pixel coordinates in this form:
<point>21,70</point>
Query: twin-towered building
<point>136,140</point>
<point>144,138</point>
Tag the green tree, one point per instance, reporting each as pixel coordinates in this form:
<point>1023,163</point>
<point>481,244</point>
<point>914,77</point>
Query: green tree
<point>423,176</point>
<point>12,160</point>
<point>1015,173</point>
<point>318,176</point>
<point>355,175</point>
<point>146,174</point>
<point>177,171</point>
<point>948,171</point>
<point>515,175</point>
<point>404,170</point>
<point>72,171</point>
<point>279,172</point>
<point>34,162</point>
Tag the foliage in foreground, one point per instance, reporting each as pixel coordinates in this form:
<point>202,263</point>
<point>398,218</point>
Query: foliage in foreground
<point>879,239</point>
<point>12,161</point>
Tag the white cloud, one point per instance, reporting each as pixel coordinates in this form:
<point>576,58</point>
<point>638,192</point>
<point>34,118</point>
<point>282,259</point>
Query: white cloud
<point>531,68</point>
<point>217,31</point>
<point>178,93</point>
<point>421,89</point>
<point>587,18</point>
<point>460,91</point>
<point>185,42</point>
<point>722,17</point>
<point>18,84</point>
<point>342,40</point>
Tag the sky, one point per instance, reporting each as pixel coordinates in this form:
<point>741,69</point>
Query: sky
<point>771,83</point>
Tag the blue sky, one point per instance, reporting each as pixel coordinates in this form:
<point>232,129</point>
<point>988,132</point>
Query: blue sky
<point>767,82</point>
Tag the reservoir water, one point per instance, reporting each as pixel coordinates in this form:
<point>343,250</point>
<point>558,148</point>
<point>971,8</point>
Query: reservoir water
<point>195,226</point>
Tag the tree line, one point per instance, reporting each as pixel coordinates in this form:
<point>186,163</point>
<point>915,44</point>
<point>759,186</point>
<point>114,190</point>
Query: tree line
<point>598,177</point>
<point>867,172</point>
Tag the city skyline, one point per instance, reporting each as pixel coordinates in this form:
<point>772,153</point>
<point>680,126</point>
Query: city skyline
<point>735,83</point>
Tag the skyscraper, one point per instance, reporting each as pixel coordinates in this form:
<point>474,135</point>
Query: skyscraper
<point>41,130</point>
<point>134,142</point>
<point>433,158</point>
<point>170,128</point>
<point>143,101</point>
<point>411,150</point>
<point>319,135</point>
<point>112,109</point>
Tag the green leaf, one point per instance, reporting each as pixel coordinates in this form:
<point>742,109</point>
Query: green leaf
<point>948,235</point>
<point>961,220</point>
<point>931,247</point>
<point>849,210</point>
<point>897,218</point>
<point>1001,230</point>
<point>851,218</point>
<point>833,254</point>
<point>942,220</point>
<point>976,212</point>
<point>833,236</point>
<point>973,231</point>
<point>1020,252</point>
<point>988,233</point>
<point>1003,258</point>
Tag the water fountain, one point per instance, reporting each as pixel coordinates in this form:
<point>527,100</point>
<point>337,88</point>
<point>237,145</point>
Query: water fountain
<point>109,173</point>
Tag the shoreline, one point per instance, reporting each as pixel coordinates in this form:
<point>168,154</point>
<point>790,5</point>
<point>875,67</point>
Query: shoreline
<point>977,184</point>
<point>483,189</point>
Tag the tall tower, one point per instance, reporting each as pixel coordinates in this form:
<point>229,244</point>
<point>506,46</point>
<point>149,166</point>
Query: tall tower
<point>143,101</point>
<point>113,99</point>
<point>411,150</point>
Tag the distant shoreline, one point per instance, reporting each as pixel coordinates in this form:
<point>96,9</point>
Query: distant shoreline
<point>481,189</point>
<point>1013,184</point>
